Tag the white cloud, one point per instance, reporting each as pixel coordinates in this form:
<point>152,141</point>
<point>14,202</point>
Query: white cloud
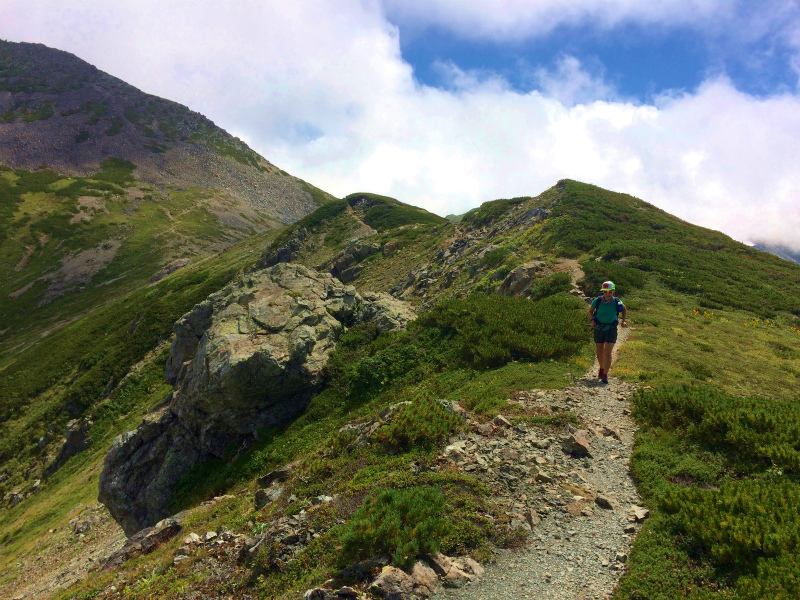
<point>322,91</point>
<point>571,83</point>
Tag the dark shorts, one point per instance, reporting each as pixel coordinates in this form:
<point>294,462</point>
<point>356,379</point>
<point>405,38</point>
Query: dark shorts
<point>607,336</point>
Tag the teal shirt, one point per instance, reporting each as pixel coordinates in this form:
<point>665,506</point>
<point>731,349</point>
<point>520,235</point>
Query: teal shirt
<point>606,313</point>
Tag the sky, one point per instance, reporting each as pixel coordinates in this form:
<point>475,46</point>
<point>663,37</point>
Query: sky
<point>692,105</point>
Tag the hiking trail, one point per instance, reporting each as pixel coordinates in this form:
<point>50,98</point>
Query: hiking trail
<point>583,512</point>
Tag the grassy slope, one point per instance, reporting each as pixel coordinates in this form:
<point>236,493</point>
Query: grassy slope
<point>484,390</point>
<point>40,231</point>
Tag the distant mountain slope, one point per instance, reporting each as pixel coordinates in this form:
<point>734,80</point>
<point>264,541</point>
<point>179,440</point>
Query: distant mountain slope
<point>104,189</point>
<point>59,111</point>
<point>782,251</point>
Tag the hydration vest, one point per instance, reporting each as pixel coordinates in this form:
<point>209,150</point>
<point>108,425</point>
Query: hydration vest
<point>596,305</point>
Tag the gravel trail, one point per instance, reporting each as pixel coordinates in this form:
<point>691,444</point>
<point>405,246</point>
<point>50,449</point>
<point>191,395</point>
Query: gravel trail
<point>580,509</point>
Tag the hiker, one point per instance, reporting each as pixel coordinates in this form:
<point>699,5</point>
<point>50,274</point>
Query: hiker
<point>604,311</point>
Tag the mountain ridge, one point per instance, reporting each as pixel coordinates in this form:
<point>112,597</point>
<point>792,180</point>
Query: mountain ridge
<point>58,110</point>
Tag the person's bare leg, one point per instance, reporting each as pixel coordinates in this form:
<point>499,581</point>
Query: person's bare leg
<point>607,350</point>
<point>601,357</point>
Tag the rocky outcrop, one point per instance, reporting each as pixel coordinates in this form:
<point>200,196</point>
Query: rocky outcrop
<point>518,282</point>
<point>248,357</point>
<point>345,265</point>
<point>287,251</point>
<point>145,541</point>
<point>76,439</point>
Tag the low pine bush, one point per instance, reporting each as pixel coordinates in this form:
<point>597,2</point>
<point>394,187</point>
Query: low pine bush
<point>495,257</point>
<point>625,278</point>
<point>722,473</point>
<point>741,523</point>
<point>402,523</point>
<point>423,424</point>
<point>491,331</point>
<point>550,286</point>
<point>755,434</point>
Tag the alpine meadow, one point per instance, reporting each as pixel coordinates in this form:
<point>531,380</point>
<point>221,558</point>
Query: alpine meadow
<point>219,381</point>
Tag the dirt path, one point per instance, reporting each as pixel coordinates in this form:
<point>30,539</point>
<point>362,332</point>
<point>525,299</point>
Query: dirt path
<point>580,510</point>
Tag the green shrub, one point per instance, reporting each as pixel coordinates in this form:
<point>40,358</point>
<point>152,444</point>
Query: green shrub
<point>494,330</point>
<point>115,127</point>
<point>402,523</point>
<point>754,433</point>
<point>41,113</point>
<point>697,369</point>
<point>722,473</point>
<point>740,523</point>
<point>116,170</point>
<point>424,424</point>
<point>550,286</point>
<point>626,279</point>
<point>495,257</point>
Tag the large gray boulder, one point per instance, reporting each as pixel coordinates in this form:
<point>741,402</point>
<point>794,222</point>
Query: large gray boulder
<point>519,281</point>
<point>250,356</point>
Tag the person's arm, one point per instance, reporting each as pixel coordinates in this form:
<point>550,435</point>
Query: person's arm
<point>592,310</point>
<point>624,316</point>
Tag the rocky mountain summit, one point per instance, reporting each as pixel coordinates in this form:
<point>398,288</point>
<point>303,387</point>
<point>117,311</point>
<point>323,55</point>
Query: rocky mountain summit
<point>59,111</point>
<point>251,356</point>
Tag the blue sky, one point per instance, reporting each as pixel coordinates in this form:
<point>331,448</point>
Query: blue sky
<point>639,62</point>
<point>692,105</point>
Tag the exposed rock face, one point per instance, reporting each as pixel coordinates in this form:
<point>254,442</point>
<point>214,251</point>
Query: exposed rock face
<point>287,251</point>
<point>345,264</point>
<point>250,356</point>
<point>145,541</point>
<point>76,439</point>
<point>518,282</point>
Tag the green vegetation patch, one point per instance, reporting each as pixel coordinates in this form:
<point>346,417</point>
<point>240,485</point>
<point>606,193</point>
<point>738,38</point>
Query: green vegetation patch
<point>41,112</point>
<point>551,285</point>
<point>637,239</point>
<point>721,473</point>
<point>382,212</point>
<point>495,257</point>
<point>116,170</point>
<point>402,523</point>
<point>488,212</point>
<point>494,330</point>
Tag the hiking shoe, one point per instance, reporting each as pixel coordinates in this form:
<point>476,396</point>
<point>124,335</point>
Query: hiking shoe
<point>604,378</point>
